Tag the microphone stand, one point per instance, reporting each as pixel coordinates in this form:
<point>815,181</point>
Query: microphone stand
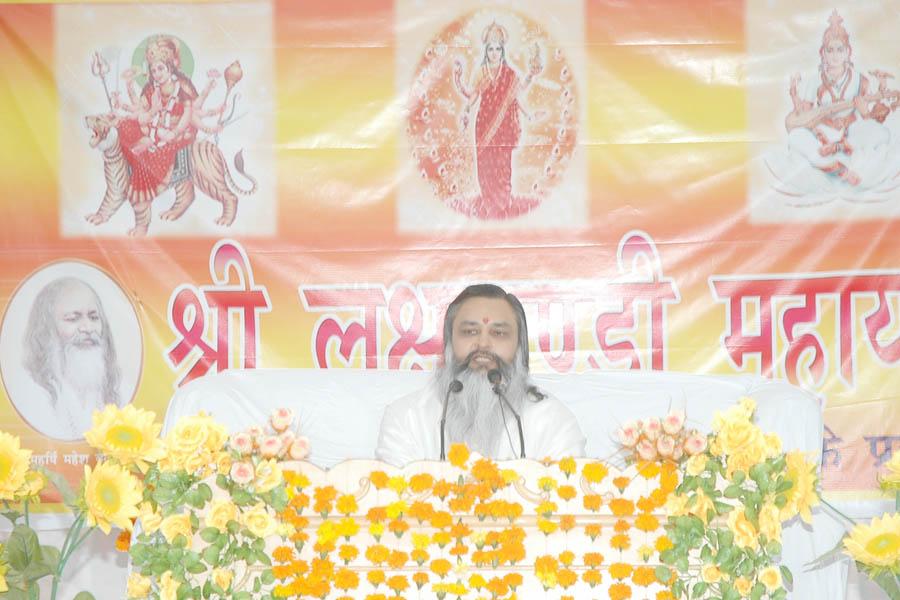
<point>494,377</point>
<point>456,386</point>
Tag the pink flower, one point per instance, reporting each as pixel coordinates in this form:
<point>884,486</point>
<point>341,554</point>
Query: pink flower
<point>646,450</point>
<point>242,473</point>
<point>695,443</point>
<point>255,431</point>
<point>287,438</point>
<point>281,419</point>
<point>673,422</point>
<point>242,442</point>
<point>652,429</point>
<point>299,448</point>
<point>666,446</point>
<point>628,434</point>
<point>269,446</point>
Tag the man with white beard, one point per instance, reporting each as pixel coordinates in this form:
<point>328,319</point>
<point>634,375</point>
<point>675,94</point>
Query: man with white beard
<point>70,355</point>
<point>485,383</point>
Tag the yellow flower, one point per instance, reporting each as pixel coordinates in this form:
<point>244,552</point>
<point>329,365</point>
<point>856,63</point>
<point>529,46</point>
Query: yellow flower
<point>458,455</point>
<point>128,435</point>
<point>676,505</point>
<point>770,522</point>
<point>34,483</point>
<point>702,506</point>
<point>221,510</point>
<point>594,472</point>
<point>802,496</point>
<point>743,586</point>
<point>191,435</point>
<point>168,587</point>
<point>773,445</point>
<point>111,496</point>
<point>175,525</point>
<point>771,578</point>
<point>745,535</point>
<point>268,476</point>
<point>567,466</point>
<point>14,462</point>
<point>138,586</point>
<point>150,519</point>
<point>259,521</point>
<point>222,578</point>
<point>891,478</point>
<point>398,484</point>
<point>547,483</point>
<point>696,464</point>
<point>876,544</point>
<point>710,574</point>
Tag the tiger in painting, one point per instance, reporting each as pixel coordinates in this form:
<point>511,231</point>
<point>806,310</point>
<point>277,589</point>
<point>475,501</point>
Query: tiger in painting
<point>207,170</point>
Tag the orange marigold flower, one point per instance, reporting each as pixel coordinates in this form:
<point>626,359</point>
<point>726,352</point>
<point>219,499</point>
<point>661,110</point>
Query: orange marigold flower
<point>477,581</point>
<point>545,564</point>
<point>398,527</point>
<point>486,470</point>
<point>282,571</point>
<point>622,526</point>
<point>619,591</point>
<point>566,492</point>
<point>592,577</point>
<point>377,554</point>
<point>458,455</point>
<point>346,579</point>
<point>300,501</point>
<point>460,530</point>
<point>567,557</point>
<point>123,541</point>
<point>376,514</point>
<point>375,577</point>
<point>497,587</point>
<point>283,554</point>
<point>648,470</point>
<point>646,522</point>
<point>593,530</point>
<point>459,549</point>
<point>441,488</point>
<point>379,479</point>
<point>440,567</point>
<point>420,579</point>
<point>567,522</point>
<point>645,504</point>
<point>593,559</point>
<point>348,553</point>
<point>620,542</point>
<point>441,519</point>
<point>664,595</point>
<point>592,502</point>
<point>376,597</point>
<point>566,577</point>
<point>619,570</point>
<point>595,472</point>
<point>546,525</point>
<point>668,481</point>
<point>397,559</point>
<point>398,583</point>
<point>420,482</point>
<point>441,538</point>
<point>643,576</point>
<point>398,484</point>
<point>346,504</point>
<point>567,465</point>
<point>621,507</point>
<point>419,555</point>
<point>662,544</point>
<point>621,483</point>
<point>513,580</point>
<point>546,508</point>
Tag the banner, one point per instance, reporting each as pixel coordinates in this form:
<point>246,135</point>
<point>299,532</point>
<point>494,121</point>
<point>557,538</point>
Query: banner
<point>667,185</point>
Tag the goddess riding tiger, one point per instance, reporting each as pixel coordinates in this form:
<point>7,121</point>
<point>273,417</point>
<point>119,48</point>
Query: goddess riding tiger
<point>150,144</point>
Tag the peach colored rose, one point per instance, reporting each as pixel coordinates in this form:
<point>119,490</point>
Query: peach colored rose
<point>242,442</point>
<point>269,446</point>
<point>281,419</point>
<point>287,438</point>
<point>299,448</point>
<point>665,445</point>
<point>673,422</point>
<point>242,472</point>
<point>695,443</point>
<point>646,450</point>
<point>628,434</point>
<point>652,428</point>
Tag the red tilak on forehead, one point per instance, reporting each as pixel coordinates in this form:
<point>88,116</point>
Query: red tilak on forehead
<point>485,320</point>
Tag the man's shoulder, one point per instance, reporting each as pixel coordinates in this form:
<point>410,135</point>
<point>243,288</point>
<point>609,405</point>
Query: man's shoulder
<point>542,404</point>
<point>416,401</point>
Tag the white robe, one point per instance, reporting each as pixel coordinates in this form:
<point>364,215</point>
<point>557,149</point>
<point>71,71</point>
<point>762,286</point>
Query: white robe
<point>410,430</point>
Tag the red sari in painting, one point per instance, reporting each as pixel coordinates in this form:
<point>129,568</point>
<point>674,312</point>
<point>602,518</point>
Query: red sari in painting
<point>497,132</point>
<point>150,168</point>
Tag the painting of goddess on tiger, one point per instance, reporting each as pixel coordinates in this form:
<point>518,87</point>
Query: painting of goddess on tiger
<point>161,136</point>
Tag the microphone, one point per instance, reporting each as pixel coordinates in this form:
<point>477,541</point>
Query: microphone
<point>494,377</point>
<point>456,387</point>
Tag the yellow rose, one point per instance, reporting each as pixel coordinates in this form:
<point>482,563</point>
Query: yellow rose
<point>168,587</point>
<point>743,443</point>
<point>773,445</point>
<point>770,522</point>
<point>259,521</point>
<point>771,578</point>
<point>745,535</point>
<point>193,434</point>
<point>175,525</point>
<point>223,462</point>
<point>711,574</point>
<point>676,505</point>
<point>138,586</point>
<point>268,476</point>
<point>220,512</point>
<point>743,586</point>
<point>696,464</point>
<point>222,578</point>
<point>703,504</point>
<point>196,461</point>
<point>150,519</point>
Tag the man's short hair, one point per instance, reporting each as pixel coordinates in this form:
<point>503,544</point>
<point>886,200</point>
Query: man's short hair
<point>488,290</point>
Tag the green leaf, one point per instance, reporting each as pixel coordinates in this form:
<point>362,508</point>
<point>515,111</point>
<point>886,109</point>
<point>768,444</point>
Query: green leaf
<point>205,492</point>
<point>268,578</point>
<point>211,555</point>
<point>738,477</point>
<point>757,592</point>
<point>84,596</point>
<point>15,594</point>
<point>23,547</point>
<point>773,548</point>
<point>196,568</point>
<point>663,574</point>
<point>787,576</point>
<point>699,588</point>
<point>209,534</point>
<point>243,596</point>
<point>50,556</point>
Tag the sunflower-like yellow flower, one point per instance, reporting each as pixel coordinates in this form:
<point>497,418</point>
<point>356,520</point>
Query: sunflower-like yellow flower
<point>111,496</point>
<point>876,544</point>
<point>890,481</point>
<point>14,461</point>
<point>802,496</point>
<point>129,435</point>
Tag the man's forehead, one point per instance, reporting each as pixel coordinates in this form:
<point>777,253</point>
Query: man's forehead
<point>487,311</point>
<point>76,298</point>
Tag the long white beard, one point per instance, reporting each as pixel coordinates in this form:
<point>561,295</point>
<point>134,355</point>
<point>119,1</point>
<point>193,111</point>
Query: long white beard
<point>474,416</point>
<point>81,367</point>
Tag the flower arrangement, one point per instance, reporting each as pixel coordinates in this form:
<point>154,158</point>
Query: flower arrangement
<point>730,507</point>
<point>876,546</point>
<point>660,439</point>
